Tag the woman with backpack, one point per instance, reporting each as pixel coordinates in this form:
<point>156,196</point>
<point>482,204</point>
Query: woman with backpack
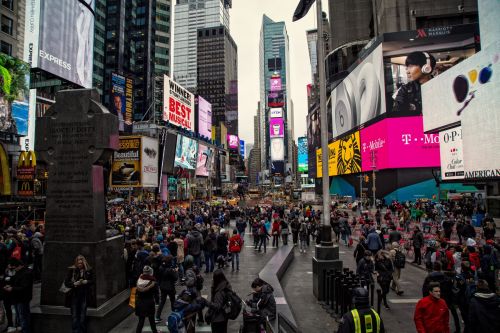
<point>398,259</point>
<point>147,290</point>
<point>216,314</point>
<point>384,268</point>
<point>235,244</point>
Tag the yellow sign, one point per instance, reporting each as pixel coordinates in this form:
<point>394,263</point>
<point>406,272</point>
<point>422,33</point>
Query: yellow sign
<point>344,156</point>
<point>26,188</point>
<point>5,188</point>
<point>26,165</point>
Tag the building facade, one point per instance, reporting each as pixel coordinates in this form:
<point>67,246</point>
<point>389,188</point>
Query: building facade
<point>217,76</point>
<point>12,27</point>
<point>274,61</point>
<point>189,17</point>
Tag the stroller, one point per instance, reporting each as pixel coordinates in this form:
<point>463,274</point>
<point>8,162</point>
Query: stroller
<point>253,322</point>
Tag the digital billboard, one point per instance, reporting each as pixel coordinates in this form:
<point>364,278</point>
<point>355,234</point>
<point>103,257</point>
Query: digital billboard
<point>66,39</point>
<point>14,95</point>
<point>204,161</point>
<point>398,143</point>
<point>276,113</point>
<point>204,118</point>
<point>275,84</point>
<point>185,153</point>
<point>302,156</point>
<point>149,162</point>
<point>451,153</point>
<point>344,156</point>
<point>277,149</point>
<point>122,101</point>
<point>242,148</point>
<point>232,141</point>
<point>276,128</point>
<point>169,150</point>
<point>126,171</point>
<point>360,97</point>
<point>277,167</point>
<point>275,99</point>
<point>178,104</point>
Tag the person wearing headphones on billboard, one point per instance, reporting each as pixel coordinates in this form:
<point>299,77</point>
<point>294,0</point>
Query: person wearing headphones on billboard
<point>419,68</point>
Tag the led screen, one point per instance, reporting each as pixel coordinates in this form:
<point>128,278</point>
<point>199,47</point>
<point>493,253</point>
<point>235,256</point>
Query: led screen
<point>204,118</point>
<point>204,162</point>
<point>232,141</point>
<point>185,153</point>
<point>302,156</point>
<point>276,128</point>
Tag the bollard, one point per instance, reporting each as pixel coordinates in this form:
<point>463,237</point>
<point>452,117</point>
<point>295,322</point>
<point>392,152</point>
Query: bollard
<point>330,309</point>
<point>323,302</point>
<point>379,300</point>
<point>326,290</point>
<point>372,293</point>
<point>337,291</point>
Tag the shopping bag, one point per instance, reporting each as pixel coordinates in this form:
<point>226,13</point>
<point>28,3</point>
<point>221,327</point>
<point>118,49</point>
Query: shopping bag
<point>131,300</point>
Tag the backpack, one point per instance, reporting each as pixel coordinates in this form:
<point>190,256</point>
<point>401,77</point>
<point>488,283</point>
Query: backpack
<point>175,322</point>
<point>443,259</point>
<point>399,259</point>
<point>233,305</point>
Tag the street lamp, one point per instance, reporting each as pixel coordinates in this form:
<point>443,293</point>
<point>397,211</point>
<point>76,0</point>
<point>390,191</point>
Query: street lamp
<point>374,167</point>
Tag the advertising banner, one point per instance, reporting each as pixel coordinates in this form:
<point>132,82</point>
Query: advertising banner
<point>344,156</point>
<point>26,166</point>
<point>275,99</point>
<point>276,113</point>
<point>169,153</point>
<point>185,153</point>
<point>126,170</point>
<point>277,149</point>
<point>360,97</point>
<point>232,141</point>
<point>242,148</point>
<point>276,128</point>
<point>451,153</point>
<point>149,162</point>
<point>122,101</point>
<point>275,84</point>
<point>178,104</point>
<point>66,43</point>
<point>278,167</point>
<point>204,118</point>
<point>204,162</point>
<point>302,156</point>
<point>398,143</point>
<point>14,95</point>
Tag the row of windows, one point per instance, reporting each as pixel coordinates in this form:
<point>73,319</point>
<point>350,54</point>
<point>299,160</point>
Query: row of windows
<point>5,48</point>
<point>8,4</point>
<point>7,25</point>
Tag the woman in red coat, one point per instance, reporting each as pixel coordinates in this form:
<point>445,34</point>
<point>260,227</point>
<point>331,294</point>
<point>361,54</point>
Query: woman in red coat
<point>276,231</point>
<point>235,244</point>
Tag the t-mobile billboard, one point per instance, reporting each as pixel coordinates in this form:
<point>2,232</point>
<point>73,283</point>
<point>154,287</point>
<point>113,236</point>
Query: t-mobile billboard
<point>398,143</point>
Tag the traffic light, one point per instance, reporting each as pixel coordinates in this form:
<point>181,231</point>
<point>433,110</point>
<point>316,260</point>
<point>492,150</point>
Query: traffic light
<point>367,178</point>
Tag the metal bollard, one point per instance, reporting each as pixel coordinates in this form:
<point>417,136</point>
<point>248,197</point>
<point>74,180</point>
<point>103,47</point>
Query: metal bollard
<point>330,309</point>
<point>337,291</point>
<point>325,272</point>
<point>379,300</point>
<point>326,290</point>
<point>372,293</point>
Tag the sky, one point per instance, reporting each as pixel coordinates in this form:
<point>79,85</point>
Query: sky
<point>245,25</point>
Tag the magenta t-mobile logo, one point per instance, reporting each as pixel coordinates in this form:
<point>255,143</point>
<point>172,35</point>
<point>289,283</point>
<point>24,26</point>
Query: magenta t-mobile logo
<point>406,138</point>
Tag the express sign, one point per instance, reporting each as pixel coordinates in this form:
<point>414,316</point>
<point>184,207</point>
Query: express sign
<point>178,104</point>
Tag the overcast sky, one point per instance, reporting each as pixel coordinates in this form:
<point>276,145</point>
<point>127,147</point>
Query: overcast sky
<point>245,26</point>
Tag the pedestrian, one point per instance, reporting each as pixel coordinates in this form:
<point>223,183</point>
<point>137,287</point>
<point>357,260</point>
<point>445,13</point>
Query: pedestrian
<point>235,244</point>
<point>366,267</point>
<point>37,252</point>
<point>209,247</point>
<point>20,291</point>
<point>263,236</point>
<point>221,255</point>
<point>80,278</point>
<point>241,226</point>
<point>394,235</point>
<point>385,270</point>
<point>295,225</point>
<point>284,231</point>
<point>351,322</point>
<point>145,299</point>
<point>360,249</point>
<point>373,241</point>
<point>216,314</point>
<point>418,243</point>
<point>263,299</point>
<point>195,241</point>
<point>431,313</point>
<point>398,260</point>
<point>276,232</point>
<point>303,237</point>
<point>484,309</point>
<point>167,276</point>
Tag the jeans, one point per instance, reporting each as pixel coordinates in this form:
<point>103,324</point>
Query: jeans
<point>24,315</point>
<point>276,239</point>
<point>284,237</point>
<point>78,314</point>
<point>209,261</point>
<point>242,234</point>
<point>303,244</point>
<point>197,260</point>
<point>396,275</point>
<point>263,240</point>
<point>163,299</point>
<point>235,257</point>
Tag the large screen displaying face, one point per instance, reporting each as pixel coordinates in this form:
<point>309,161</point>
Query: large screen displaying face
<point>398,143</point>
<point>185,153</point>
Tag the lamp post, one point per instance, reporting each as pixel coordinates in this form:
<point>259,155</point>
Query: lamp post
<point>374,167</point>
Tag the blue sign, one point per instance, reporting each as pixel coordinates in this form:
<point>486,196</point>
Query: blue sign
<point>302,155</point>
<point>242,148</point>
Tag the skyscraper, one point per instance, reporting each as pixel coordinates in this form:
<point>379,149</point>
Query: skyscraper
<point>217,76</point>
<point>274,60</point>
<point>99,45</point>
<point>189,17</point>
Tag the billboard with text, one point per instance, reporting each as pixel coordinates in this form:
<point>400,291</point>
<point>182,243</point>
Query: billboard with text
<point>344,156</point>
<point>451,153</point>
<point>178,104</point>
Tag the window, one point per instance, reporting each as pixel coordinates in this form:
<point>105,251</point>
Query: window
<point>7,25</point>
<point>8,3</point>
<point>6,48</point>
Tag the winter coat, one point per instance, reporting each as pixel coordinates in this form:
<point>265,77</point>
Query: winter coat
<point>373,242</point>
<point>359,252</point>
<point>384,268</point>
<point>241,225</point>
<point>432,316</point>
<point>145,296</point>
<point>276,228</point>
<point>418,239</point>
<point>22,286</point>
<point>167,277</point>
<point>218,300</point>
<point>222,245</point>
<point>210,242</point>
<point>81,291</point>
<point>235,244</point>
<point>195,240</point>
<point>484,312</point>
<point>365,269</point>
<point>264,301</point>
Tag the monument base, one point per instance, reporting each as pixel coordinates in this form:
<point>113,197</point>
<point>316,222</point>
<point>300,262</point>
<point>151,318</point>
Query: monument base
<point>49,318</point>
<point>326,258</point>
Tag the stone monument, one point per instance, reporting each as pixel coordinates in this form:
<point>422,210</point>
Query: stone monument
<point>75,138</point>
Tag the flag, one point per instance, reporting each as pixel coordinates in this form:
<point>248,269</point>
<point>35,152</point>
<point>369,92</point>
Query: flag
<point>302,9</point>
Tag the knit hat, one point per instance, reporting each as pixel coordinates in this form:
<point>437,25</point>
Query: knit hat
<point>147,270</point>
<point>470,242</point>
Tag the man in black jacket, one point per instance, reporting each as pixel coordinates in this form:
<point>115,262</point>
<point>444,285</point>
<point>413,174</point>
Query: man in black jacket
<point>167,276</point>
<point>484,309</point>
<point>21,292</point>
<point>363,318</point>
